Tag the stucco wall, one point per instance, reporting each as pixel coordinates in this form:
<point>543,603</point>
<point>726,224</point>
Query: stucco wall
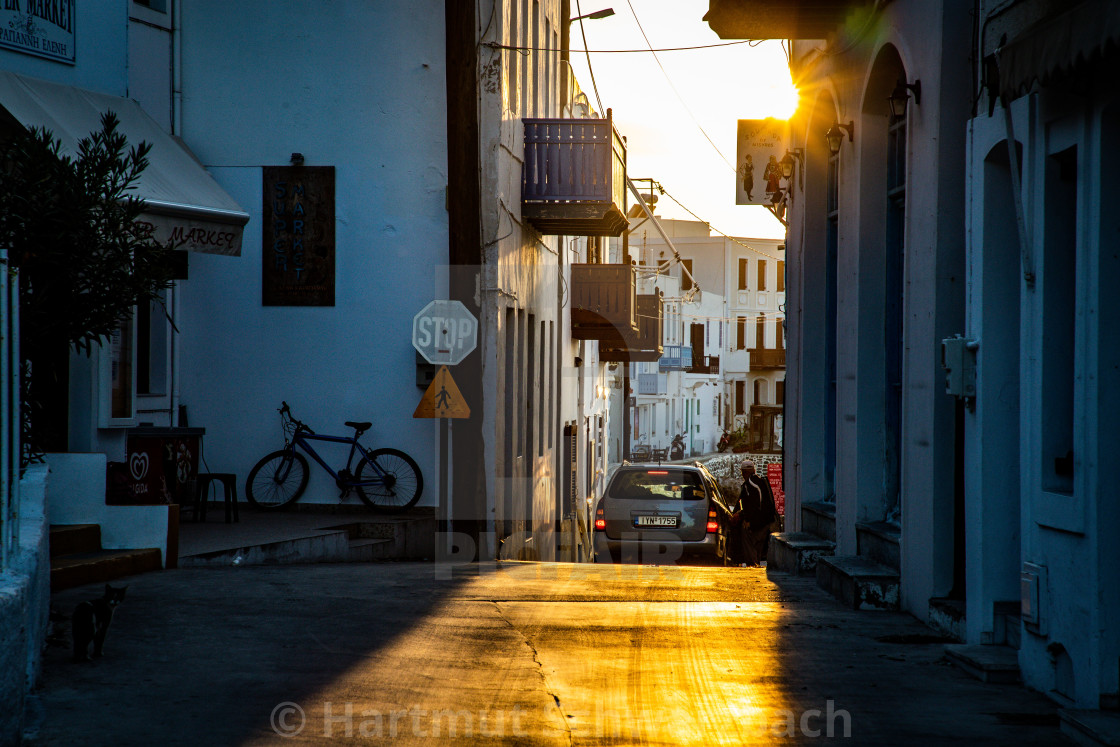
<point>24,605</point>
<point>354,85</point>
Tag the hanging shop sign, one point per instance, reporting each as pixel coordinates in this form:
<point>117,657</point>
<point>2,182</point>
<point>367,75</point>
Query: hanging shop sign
<point>44,28</point>
<point>298,252</point>
<point>761,145</point>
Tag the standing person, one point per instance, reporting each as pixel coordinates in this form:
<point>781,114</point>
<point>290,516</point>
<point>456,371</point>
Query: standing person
<point>748,514</point>
<point>768,510</point>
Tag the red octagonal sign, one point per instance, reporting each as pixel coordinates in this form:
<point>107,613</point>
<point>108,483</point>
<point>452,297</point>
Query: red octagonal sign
<point>444,332</point>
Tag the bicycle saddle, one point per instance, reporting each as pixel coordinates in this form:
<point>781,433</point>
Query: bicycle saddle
<point>358,426</point>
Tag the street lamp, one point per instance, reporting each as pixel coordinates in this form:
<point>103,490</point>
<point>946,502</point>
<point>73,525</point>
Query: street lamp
<point>901,95</point>
<point>604,13</point>
<point>835,135</point>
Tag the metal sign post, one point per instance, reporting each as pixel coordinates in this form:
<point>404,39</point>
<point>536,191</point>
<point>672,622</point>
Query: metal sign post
<point>444,333</point>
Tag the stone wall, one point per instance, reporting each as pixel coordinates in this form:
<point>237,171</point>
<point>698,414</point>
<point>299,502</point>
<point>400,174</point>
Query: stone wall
<point>725,468</point>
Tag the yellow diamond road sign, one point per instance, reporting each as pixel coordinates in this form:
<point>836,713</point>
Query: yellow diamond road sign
<point>443,399</point>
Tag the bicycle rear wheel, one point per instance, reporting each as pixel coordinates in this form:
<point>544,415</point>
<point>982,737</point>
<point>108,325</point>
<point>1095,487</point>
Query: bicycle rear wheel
<point>402,484</point>
<point>277,480</point>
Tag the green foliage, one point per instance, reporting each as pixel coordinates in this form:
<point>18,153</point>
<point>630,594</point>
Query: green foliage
<point>69,224</point>
<point>70,227</point>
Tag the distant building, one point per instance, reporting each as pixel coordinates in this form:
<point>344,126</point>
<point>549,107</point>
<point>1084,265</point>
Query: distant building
<point>723,366</point>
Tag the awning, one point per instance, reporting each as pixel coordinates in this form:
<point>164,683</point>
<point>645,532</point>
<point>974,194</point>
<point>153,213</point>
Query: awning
<point>1055,47</point>
<point>182,201</point>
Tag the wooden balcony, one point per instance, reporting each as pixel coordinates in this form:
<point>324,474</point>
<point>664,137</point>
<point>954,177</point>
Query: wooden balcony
<point>767,358</point>
<point>792,19</point>
<point>645,345</point>
<point>604,303</point>
<point>706,364</point>
<point>573,178</point>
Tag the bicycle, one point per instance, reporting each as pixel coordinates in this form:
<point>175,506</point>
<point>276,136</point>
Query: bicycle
<point>386,480</point>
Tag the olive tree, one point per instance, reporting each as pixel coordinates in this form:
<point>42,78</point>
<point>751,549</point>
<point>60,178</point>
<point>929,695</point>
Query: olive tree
<point>70,226</point>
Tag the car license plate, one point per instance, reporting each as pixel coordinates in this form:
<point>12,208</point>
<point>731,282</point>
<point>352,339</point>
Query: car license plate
<point>657,521</point>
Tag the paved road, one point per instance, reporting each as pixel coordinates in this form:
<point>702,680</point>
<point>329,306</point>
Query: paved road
<point>521,654</point>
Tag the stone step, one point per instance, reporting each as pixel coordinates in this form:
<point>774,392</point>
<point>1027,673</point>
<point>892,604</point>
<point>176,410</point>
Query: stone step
<point>98,566</point>
<point>986,663</point>
<point>365,550</point>
<point>797,552</point>
<point>71,538</point>
<point>879,541</point>
<point>388,538</point>
<point>1091,727</point>
<point>858,582</point>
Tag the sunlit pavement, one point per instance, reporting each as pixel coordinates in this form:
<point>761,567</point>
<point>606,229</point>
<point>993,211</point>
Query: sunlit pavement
<point>520,653</point>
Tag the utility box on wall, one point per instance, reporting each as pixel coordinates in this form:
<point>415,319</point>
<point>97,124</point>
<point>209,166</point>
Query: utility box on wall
<point>958,358</point>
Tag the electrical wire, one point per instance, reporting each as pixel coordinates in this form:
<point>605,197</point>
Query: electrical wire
<point>670,82</point>
<point>665,192</point>
<point>583,33</point>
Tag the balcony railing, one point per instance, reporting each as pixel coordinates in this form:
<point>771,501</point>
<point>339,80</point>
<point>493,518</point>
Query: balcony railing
<point>676,358</point>
<point>604,303</point>
<point>708,364</point>
<point>764,358</point>
<point>573,177</point>
<point>646,344</point>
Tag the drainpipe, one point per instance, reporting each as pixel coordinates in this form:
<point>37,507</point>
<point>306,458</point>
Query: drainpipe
<point>177,130</point>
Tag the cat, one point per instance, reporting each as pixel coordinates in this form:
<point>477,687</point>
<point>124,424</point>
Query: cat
<point>90,622</point>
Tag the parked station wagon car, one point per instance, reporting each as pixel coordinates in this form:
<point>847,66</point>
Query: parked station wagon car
<point>660,513</point>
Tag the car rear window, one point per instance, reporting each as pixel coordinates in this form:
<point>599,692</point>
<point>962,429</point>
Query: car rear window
<point>657,484</point>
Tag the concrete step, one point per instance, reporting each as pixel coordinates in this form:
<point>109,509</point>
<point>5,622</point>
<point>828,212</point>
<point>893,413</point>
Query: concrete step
<point>879,541</point>
<point>389,538</point>
<point>365,550</point>
<point>947,616</point>
<point>79,569</point>
<point>797,552</point>
<point>1091,727</point>
<point>858,582</point>
<point>986,663</point>
<point>71,538</point>
<point>819,519</point>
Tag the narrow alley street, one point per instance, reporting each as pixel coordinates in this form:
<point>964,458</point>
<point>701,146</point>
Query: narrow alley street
<point>522,653</point>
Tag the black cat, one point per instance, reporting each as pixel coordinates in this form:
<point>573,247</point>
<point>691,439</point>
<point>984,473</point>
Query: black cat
<point>90,622</point>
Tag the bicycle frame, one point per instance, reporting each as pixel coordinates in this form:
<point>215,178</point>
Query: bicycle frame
<point>301,437</point>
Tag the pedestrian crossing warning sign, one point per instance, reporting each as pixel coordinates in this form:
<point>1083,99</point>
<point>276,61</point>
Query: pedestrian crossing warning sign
<point>443,399</point>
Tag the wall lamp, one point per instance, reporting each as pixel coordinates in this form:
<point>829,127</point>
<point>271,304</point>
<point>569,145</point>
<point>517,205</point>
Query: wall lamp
<point>296,159</point>
<point>604,13</point>
<point>835,135</point>
<point>901,95</point>
<point>787,163</point>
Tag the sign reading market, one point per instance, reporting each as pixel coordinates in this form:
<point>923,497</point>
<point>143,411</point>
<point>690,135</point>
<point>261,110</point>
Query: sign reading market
<point>40,27</point>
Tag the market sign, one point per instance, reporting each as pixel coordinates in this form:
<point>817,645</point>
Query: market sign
<point>44,28</point>
<point>297,229</point>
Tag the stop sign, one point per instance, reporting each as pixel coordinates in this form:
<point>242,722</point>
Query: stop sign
<point>444,332</point>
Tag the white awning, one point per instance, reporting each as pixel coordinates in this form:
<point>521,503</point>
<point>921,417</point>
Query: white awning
<point>182,201</point>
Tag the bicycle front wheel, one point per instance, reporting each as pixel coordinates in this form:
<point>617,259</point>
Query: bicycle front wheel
<point>396,477</point>
<point>277,480</point>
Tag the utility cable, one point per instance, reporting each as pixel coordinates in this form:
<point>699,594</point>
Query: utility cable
<point>663,191</point>
<point>583,33</point>
<point>670,82</point>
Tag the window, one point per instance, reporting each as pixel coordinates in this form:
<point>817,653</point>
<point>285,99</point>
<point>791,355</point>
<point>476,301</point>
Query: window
<point>780,392</point>
<point>741,333</point>
<point>686,274</point>
<point>151,349</point>
<point>762,274</point>
<point>781,276</point>
<point>779,341</point>
<point>760,333</point>
<point>118,379</point>
<point>740,397</point>
<point>742,273</point>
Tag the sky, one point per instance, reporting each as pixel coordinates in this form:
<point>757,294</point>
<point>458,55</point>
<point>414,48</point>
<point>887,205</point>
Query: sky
<point>661,113</point>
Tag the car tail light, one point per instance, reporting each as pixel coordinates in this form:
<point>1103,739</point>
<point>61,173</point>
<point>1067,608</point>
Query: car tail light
<point>600,517</point>
<point>713,521</point>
